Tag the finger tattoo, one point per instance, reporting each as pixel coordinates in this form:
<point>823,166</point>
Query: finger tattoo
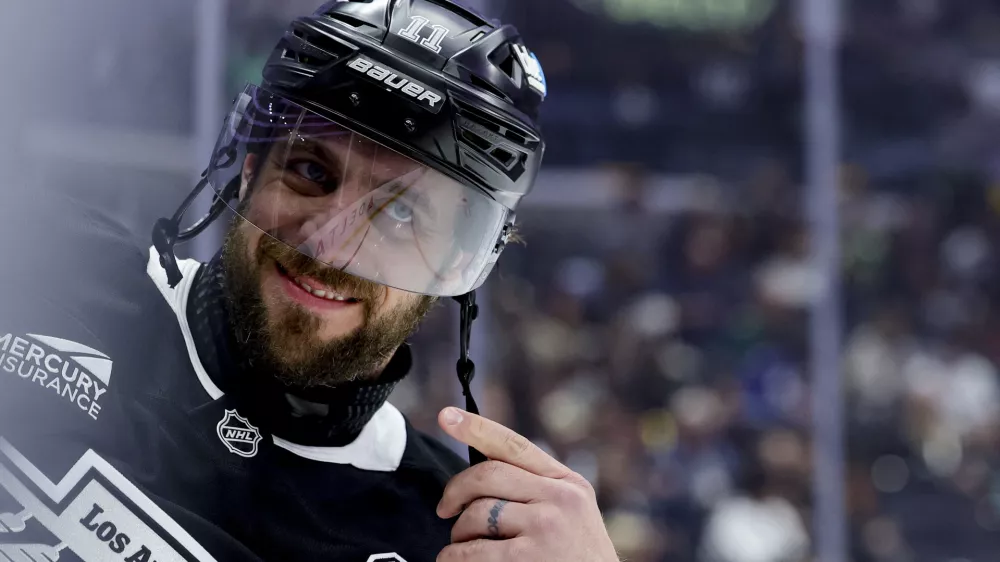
<point>493,523</point>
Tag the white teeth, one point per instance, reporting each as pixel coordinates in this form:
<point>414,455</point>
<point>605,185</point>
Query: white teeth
<point>328,295</point>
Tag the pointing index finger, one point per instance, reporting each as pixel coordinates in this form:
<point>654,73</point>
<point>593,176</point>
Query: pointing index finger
<point>500,443</point>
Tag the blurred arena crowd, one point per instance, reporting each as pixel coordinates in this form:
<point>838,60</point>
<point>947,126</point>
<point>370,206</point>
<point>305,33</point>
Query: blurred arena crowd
<point>674,372</point>
<point>661,349</point>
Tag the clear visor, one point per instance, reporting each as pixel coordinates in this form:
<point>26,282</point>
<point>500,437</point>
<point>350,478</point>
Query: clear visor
<point>353,204</point>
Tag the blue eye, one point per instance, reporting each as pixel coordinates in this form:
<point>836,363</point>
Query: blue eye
<point>311,171</point>
<point>399,211</point>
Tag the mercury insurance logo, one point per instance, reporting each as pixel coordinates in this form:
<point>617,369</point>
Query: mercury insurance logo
<point>70,371</point>
<point>239,436</point>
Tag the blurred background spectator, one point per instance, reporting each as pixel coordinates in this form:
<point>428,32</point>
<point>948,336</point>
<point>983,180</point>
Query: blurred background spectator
<point>652,331</point>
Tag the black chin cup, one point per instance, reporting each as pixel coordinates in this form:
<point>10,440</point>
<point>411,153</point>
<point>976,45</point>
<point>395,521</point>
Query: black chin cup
<point>164,238</point>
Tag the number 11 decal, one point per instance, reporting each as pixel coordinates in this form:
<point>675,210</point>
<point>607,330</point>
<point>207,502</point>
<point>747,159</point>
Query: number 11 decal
<point>417,24</point>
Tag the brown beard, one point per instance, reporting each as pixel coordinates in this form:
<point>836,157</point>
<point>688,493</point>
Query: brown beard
<point>284,344</point>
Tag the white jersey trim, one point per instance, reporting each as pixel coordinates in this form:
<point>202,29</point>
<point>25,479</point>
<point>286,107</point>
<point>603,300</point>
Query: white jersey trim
<point>177,298</point>
<point>379,447</point>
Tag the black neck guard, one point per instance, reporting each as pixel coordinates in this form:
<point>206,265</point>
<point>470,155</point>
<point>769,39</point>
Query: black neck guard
<point>323,417</point>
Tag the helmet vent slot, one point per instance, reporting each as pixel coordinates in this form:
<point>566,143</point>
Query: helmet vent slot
<point>484,120</point>
<point>476,140</point>
<point>504,157</point>
<point>289,54</point>
<point>501,155</point>
<point>349,20</point>
<point>309,47</point>
<point>474,17</point>
<point>480,83</point>
<point>503,58</point>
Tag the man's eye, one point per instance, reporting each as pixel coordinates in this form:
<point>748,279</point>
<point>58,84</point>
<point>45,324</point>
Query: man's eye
<point>399,211</point>
<point>311,171</point>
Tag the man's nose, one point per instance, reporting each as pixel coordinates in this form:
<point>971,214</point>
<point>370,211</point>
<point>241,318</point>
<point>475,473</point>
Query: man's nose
<point>334,236</point>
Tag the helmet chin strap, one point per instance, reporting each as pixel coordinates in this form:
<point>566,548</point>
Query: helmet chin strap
<point>465,367</point>
<point>167,232</point>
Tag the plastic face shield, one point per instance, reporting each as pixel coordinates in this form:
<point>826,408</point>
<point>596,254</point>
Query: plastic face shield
<point>353,204</point>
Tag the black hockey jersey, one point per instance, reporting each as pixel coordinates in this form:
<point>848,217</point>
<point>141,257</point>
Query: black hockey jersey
<point>116,444</point>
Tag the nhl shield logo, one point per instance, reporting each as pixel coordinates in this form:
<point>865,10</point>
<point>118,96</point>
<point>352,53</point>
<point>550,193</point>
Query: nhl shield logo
<point>239,436</point>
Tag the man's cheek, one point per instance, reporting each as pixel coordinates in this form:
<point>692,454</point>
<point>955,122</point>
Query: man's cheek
<point>391,301</point>
<point>272,211</point>
<point>256,244</point>
<point>399,304</point>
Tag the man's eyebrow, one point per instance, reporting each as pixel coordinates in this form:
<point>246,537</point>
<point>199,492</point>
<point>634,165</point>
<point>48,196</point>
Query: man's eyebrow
<point>316,148</point>
<point>322,153</point>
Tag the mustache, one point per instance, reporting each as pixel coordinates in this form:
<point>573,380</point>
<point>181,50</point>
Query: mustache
<point>302,265</point>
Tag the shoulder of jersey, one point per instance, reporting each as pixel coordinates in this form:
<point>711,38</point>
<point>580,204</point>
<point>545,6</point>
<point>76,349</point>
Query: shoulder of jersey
<point>77,309</point>
<point>53,228</point>
<point>73,274</point>
<point>55,241</point>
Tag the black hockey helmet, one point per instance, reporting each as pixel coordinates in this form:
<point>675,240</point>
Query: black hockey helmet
<point>429,78</point>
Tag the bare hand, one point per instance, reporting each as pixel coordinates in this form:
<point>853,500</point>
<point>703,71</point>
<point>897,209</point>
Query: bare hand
<point>522,504</point>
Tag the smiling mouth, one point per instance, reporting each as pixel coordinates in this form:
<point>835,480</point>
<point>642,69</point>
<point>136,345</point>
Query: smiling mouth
<point>315,288</point>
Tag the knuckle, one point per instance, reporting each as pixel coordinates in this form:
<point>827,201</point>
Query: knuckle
<point>493,468</point>
<point>461,528</point>
<point>487,472</point>
<point>460,552</point>
<point>573,495</point>
<point>477,427</point>
<point>450,491</point>
<point>516,445</point>
<point>480,506</point>
<point>472,550</point>
<point>451,553</point>
<point>546,519</point>
<point>472,519</point>
<point>585,485</point>
<point>519,550</point>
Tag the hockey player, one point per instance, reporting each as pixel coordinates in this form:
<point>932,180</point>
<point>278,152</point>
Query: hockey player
<point>161,409</point>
